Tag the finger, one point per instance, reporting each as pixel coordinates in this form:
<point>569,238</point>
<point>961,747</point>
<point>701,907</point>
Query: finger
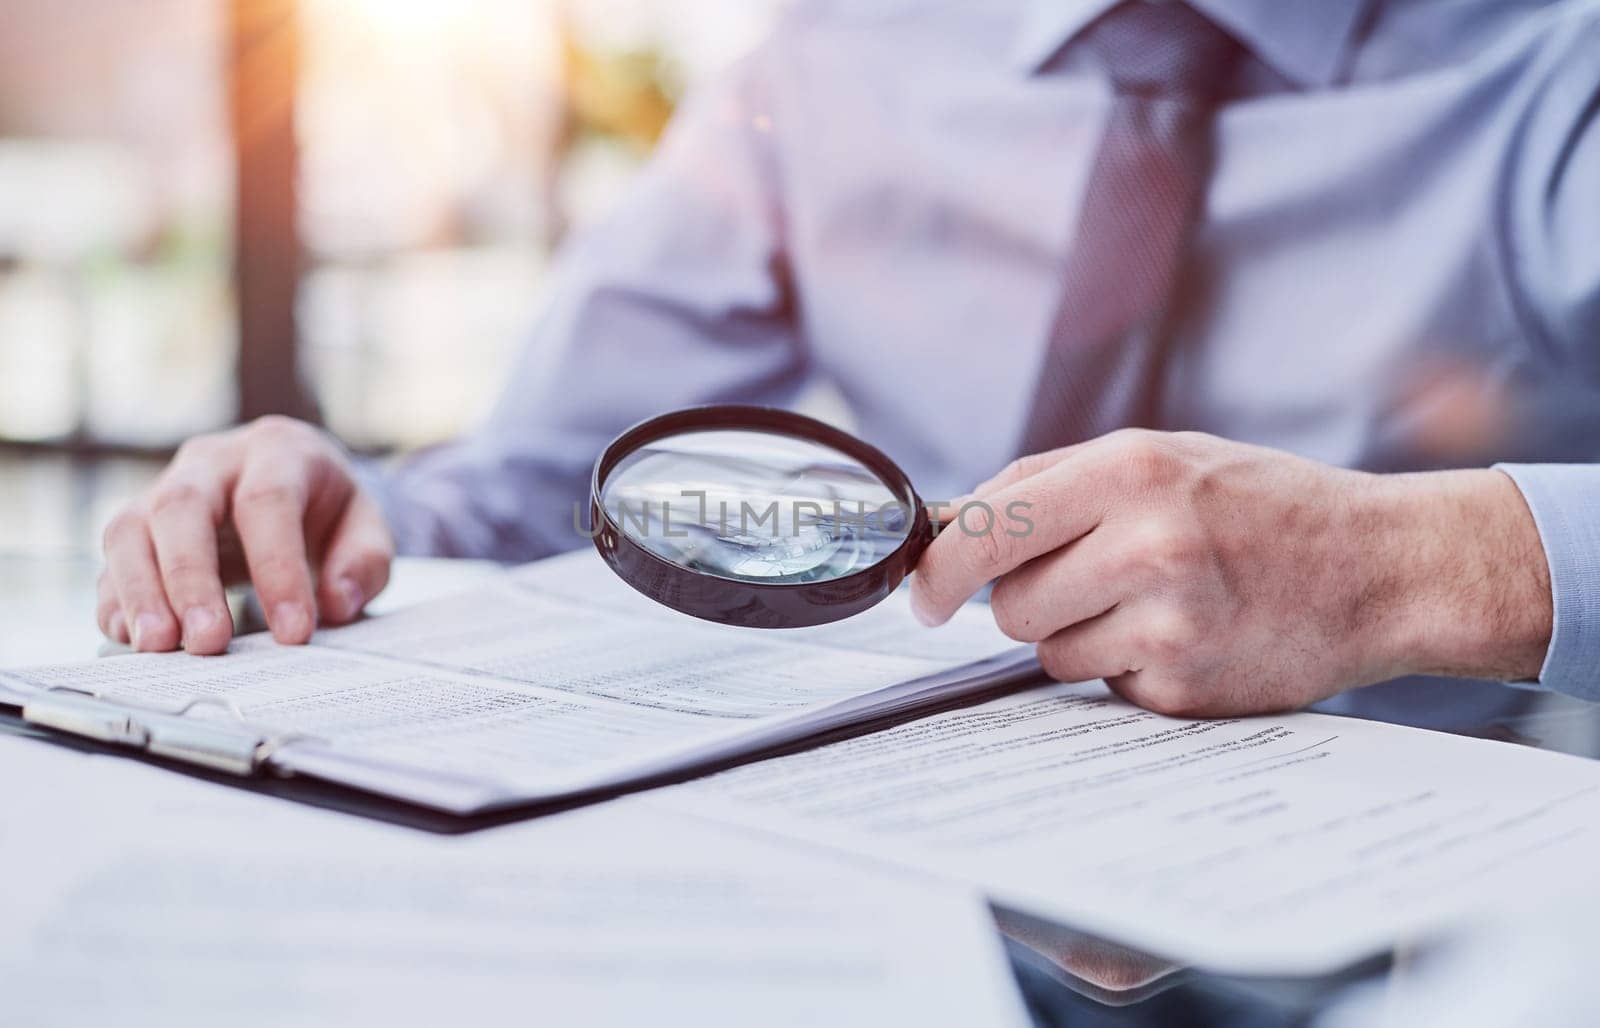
<point>944,512</point>
<point>269,507</point>
<point>1101,647</point>
<point>131,567</point>
<point>998,534</point>
<point>1140,689</point>
<point>108,612</point>
<point>355,567</point>
<point>1021,468</point>
<point>1074,583</point>
<point>184,517</point>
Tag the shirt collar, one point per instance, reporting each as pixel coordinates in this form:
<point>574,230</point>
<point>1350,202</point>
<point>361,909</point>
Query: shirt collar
<point>1305,42</point>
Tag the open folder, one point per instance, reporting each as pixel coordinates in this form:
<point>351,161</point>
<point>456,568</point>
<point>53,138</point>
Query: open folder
<point>555,682</point>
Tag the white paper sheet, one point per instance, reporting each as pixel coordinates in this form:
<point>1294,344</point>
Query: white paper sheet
<point>134,897</point>
<point>676,664</point>
<point>888,628</point>
<point>1285,844</point>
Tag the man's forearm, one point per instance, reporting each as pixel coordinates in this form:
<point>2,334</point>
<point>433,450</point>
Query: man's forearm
<point>1458,581</point>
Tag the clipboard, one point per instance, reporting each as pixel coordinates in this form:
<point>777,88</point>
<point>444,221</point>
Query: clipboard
<point>237,755</point>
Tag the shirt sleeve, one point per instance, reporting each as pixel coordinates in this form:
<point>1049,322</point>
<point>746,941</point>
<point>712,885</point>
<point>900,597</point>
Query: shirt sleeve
<point>1554,223</point>
<point>680,297</point>
<point>1565,501</point>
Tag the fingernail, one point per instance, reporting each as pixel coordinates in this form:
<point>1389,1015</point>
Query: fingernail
<point>354,600</point>
<point>145,626</point>
<point>118,628</point>
<point>196,622</point>
<point>290,623</point>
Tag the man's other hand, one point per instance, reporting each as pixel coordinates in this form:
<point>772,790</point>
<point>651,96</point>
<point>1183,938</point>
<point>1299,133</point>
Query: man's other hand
<point>1203,577</point>
<point>274,503</point>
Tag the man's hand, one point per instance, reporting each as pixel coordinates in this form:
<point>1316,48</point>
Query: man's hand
<point>273,502</point>
<point>1203,577</point>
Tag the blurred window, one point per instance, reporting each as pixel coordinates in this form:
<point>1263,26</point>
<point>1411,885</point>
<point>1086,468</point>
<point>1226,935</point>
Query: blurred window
<point>115,319</point>
<point>442,148</point>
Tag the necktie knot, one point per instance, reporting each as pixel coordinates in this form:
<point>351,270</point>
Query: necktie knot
<point>1163,48</point>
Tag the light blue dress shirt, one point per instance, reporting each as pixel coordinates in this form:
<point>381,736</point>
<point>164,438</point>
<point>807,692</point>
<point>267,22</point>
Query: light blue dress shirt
<point>1398,266</point>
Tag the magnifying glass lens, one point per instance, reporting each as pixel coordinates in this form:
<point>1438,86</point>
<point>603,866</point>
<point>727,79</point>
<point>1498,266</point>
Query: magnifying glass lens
<point>755,506</point>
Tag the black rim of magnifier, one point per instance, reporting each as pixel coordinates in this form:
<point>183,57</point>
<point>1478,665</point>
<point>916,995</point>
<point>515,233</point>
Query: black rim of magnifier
<point>754,604</point>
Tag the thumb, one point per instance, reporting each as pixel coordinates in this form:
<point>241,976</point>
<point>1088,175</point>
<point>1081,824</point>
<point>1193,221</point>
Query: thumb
<point>355,567</point>
<point>1021,468</point>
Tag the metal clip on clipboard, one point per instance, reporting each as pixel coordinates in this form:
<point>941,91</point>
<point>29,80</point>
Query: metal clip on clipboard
<point>230,746</point>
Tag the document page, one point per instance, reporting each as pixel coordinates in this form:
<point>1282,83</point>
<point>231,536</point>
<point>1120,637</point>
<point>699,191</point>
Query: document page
<point>678,664</point>
<point>1281,844</point>
<point>889,628</point>
<point>133,897</point>
<point>475,740</point>
<point>556,680</point>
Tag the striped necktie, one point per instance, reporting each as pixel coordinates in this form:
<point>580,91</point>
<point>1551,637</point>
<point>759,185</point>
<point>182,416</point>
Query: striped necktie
<point>1167,64</point>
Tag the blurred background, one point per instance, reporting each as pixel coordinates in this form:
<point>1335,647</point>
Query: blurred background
<point>216,209</point>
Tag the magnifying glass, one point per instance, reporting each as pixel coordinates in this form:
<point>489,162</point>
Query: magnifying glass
<point>755,517</point>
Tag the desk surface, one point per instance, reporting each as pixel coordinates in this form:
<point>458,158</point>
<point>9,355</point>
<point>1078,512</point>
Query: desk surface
<point>47,605</point>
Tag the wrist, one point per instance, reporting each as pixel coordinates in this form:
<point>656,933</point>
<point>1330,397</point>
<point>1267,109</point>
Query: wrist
<point>1455,581</point>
